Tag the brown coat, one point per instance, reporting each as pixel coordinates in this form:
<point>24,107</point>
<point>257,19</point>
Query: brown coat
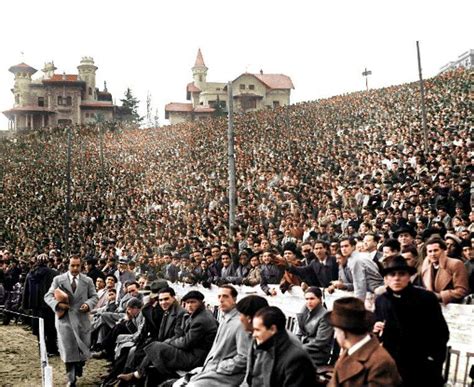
<point>451,279</point>
<point>369,366</point>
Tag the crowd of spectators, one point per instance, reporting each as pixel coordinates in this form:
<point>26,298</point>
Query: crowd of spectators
<point>327,192</point>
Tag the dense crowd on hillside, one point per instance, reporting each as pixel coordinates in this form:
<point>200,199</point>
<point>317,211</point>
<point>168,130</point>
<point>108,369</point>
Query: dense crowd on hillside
<point>317,184</point>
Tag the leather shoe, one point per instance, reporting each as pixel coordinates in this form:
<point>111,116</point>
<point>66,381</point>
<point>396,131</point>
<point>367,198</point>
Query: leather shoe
<point>99,355</point>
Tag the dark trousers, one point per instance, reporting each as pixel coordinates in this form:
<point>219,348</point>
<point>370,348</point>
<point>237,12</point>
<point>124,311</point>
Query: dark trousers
<point>74,370</point>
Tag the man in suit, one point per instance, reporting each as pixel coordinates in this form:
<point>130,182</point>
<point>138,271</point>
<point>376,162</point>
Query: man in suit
<point>363,362</point>
<point>446,277</point>
<point>74,326</point>
<point>181,352</point>
<point>226,362</point>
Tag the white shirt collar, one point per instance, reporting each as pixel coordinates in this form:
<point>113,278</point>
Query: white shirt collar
<point>358,345</point>
<point>69,275</point>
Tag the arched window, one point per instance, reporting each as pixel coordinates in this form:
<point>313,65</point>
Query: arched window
<point>90,90</point>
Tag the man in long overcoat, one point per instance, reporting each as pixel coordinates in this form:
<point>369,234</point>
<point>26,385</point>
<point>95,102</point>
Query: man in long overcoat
<point>411,326</point>
<point>72,317</point>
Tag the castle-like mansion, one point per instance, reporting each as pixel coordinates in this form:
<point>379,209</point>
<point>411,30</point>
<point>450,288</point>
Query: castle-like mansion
<point>250,92</point>
<point>58,99</point>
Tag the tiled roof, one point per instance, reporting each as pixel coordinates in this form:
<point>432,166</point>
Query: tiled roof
<point>276,81</point>
<point>192,88</point>
<point>199,60</point>
<point>22,67</point>
<point>203,109</point>
<point>96,104</point>
<point>179,107</point>
<point>63,78</point>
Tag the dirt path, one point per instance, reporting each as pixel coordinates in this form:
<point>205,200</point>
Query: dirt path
<point>20,364</point>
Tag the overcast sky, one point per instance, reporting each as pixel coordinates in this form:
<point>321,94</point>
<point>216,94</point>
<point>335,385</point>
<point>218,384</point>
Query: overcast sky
<point>150,46</point>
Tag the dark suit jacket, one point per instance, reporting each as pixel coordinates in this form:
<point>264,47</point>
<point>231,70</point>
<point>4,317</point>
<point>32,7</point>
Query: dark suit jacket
<point>317,274</point>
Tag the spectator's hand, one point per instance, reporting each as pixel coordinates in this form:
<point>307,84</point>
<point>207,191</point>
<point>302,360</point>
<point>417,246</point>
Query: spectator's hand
<point>337,284</point>
<point>379,327</point>
<point>330,289</point>
<point>84,308</point>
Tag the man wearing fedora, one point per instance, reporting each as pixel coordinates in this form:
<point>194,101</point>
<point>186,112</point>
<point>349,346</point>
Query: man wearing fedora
<point>363,362</point>
<point>411,326</point>
<point>74,327</point>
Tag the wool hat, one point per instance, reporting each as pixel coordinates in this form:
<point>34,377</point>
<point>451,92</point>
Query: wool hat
<point>397,263</point>
<point>349,314</point>
<point>134,303</point>
<point>193,295</point>
<point>156,286</point>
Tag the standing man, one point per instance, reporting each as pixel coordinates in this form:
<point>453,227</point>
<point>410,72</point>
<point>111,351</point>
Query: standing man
<point>411,326</point>
<point>73,327</point>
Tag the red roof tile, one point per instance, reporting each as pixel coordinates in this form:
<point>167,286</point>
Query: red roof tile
<point>276,81</point>
<point>199,60</point>
<point>203,109</point>
<point>96,104</point>
<point>179,107</point>
<point>192,88</point>
<point>63,78</point>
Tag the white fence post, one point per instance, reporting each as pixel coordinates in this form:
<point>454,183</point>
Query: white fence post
<point>46,370</point>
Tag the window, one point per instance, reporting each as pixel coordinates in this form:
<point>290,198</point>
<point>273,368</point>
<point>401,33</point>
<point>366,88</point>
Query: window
<point>218,89</point>
<point>212,104</point>
<point>276,104</point>
<point>249,103</point>
<point>242,86</point>
<point>90,91</point>
<point>200,78</point>
<point>40,101</point>
<point>60,100</point>
<point>69,101</point>
<point>17,98</point>
<point>87,115</point>
<point>252,87</point>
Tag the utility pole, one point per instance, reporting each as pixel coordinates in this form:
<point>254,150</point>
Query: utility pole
<point>423,108</point>
<point>67,214</point>
<point>366,74</point>
<point>101,148</point>
<point>231,160</point>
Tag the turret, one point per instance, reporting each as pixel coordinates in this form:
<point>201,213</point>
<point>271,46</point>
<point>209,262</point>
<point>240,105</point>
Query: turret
<point>23,73</point>
<point>86,70</point>
<point>199,70</point>
<point>48,70</point>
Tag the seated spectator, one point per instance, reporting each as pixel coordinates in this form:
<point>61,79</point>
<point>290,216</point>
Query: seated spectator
<point>254,275</point>
<point>413,259</point>
<point>276,358</point>
<point>446,277</point>
<point>182,352</point>
<point>226,361</point>
<point>270,273</point>
<point>314,331</point>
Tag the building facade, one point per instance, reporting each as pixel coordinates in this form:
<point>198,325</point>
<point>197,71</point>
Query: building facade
<point>57,99</point>
<point>250,92</point>
<point>466,60</point>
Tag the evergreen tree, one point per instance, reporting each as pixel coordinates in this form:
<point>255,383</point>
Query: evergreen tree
<point>129,108</point>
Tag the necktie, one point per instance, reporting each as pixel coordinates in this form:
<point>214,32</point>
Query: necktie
<point>74,284</point>
<point>161,335</point>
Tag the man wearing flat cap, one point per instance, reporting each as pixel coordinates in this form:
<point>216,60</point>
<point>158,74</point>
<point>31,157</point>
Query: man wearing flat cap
<point>181,352</point>
<point>411,326</point>
<point>363,362</point>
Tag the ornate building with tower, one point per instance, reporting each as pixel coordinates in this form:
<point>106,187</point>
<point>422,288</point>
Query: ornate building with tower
<point>250,92</point>
<point>58,99</point>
